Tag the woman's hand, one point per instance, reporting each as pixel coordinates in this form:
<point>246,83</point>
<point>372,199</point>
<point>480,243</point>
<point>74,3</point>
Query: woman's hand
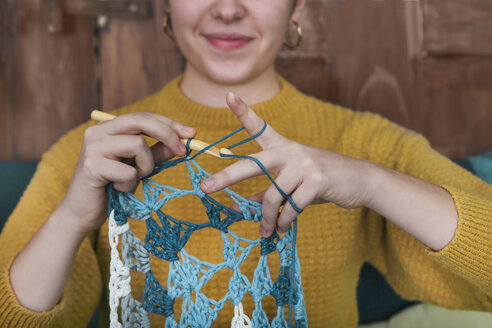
<point>107,151</point>
<point>40,271</point>
<point>309,174</point>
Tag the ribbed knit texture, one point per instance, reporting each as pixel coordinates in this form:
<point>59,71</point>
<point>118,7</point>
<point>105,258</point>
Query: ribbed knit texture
<point>332,242</point>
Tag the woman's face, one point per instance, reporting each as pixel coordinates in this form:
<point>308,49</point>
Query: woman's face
<point>231,41</point>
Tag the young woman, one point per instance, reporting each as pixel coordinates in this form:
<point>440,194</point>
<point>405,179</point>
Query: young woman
<point>383,194</point>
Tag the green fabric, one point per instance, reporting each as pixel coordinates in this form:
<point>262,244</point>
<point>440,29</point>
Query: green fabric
<point>430,316</point>
<point>376,300</point>
<point>482,166</point>
<point>14,177</point>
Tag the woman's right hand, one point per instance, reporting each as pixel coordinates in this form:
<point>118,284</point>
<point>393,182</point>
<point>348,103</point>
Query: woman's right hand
<point>107,149</point>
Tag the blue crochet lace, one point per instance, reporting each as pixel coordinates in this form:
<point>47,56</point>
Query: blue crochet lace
<point>166,239</point>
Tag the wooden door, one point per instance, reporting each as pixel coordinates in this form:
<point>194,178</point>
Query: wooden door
<point>426,64</point>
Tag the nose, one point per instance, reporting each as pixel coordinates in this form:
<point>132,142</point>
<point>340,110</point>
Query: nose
<point>228,11</point>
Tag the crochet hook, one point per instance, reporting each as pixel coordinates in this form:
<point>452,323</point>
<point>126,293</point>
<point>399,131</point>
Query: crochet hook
<point>195,144</point>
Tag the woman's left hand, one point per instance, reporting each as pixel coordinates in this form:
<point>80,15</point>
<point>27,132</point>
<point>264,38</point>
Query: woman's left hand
<point>308,174</point>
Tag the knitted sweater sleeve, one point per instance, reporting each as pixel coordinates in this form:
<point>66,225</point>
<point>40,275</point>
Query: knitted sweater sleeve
<point>45,191</point>
<point>460,275</point>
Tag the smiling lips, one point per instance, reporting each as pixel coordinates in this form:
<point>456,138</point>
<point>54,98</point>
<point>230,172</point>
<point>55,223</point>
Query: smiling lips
<point>227,41</point>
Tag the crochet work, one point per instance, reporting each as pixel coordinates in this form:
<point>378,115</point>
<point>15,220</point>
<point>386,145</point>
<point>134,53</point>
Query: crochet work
<point>166,239</point>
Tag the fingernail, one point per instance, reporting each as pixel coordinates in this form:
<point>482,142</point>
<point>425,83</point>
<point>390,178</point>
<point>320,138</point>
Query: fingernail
<point>188,128</point>
<point>209,183</point>
<point>237,99</point>
<point>263,231</point>
<point>182,148</point>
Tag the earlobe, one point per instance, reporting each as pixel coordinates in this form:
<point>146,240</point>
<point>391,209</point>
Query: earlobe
<point>296,11</point>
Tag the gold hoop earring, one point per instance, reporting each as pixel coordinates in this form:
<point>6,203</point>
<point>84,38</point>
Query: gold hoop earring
<point>166,27</point>
<point>299,37</point>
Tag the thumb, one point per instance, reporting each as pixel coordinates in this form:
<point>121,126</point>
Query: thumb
<point>251,121</point>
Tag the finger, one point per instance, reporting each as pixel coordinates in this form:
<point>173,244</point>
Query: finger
<point>272,200</point>
<point>121,174</point>
<point>188,131</point>
<point>302,197</point>
<point>183,130</point>
<point>126,146</point>
<point>161,128</point>
<point>161,152</point>
<point>238,172</point>
<point>252,122</point>
<point>129,186</point>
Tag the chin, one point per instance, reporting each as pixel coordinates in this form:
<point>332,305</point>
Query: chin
<point>231,73</point>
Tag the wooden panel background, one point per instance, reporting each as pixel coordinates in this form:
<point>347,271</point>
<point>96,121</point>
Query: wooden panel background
<point>461,27</point>
<point>136,59</point>
<point>50,81</point>
<point>455,104</point>
<point>5,143</point>
<point>399,58</point>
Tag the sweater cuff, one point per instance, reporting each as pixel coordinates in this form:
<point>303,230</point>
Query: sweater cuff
<point>13,314</point>
<point>469,254</point>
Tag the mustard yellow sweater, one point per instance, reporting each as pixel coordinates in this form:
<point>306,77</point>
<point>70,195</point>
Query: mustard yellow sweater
<point>332,242</point>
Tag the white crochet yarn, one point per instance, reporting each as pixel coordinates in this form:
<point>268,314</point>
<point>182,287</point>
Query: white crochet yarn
<point>119,281</point>
<point>240,319</point>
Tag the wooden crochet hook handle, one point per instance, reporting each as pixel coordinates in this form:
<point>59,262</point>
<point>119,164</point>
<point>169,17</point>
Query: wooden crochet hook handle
<point>195,144</point>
